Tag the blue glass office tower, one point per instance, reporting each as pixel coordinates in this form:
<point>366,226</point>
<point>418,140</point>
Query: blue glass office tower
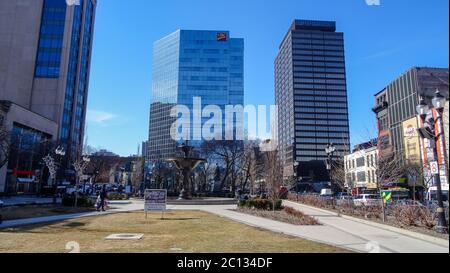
<point>188,64</point>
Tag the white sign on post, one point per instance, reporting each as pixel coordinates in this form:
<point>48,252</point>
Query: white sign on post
<point>155,200</point>
<point>434,168</point>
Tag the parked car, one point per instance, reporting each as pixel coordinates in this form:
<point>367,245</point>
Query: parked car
<point>367,200</point>
<point>1,203</point>
<point>326,193</point>
<point>344,198</point>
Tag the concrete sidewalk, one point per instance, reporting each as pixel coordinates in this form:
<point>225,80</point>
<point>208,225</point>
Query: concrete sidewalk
<point>373,236</point>
<point>336,231</point>
<point>27,200</point>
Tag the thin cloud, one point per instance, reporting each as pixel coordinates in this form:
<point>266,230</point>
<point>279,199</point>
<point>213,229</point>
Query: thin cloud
<point>381,54</point>
<point>100,117</point>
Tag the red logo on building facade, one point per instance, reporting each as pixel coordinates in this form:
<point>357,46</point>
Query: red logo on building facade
<point>222,37</point>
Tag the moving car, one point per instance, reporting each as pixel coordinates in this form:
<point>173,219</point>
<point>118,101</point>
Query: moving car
<point>432,193</point>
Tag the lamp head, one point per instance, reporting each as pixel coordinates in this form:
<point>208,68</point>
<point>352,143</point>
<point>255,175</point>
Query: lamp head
<point>438,101</point>
<point>422,108</point>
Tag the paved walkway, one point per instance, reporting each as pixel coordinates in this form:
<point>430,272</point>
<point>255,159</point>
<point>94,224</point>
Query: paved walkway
<point>366,237</point>
<point>27,200</point>
<point>337,231</point>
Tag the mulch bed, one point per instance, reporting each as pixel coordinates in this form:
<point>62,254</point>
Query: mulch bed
<point>286,215</point>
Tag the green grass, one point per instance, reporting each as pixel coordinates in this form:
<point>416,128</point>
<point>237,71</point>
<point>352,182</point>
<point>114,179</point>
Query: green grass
<point>190,231</point>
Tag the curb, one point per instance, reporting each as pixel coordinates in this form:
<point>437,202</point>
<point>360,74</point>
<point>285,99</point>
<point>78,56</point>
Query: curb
<point>117,202</point>
<point>416,235</point>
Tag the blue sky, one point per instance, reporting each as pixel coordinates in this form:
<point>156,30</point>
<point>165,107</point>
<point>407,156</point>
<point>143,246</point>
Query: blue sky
<point>381,43</point>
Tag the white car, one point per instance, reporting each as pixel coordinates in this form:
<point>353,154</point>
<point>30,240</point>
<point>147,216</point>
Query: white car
<point>326,193</point>
<point>367,200</point>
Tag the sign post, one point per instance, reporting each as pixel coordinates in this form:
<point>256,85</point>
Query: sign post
<point>387,196</point>
<point>155,200</point>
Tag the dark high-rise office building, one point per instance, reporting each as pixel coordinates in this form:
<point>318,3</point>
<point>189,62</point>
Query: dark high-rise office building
<point>311,94</point>
<point>45,53</point>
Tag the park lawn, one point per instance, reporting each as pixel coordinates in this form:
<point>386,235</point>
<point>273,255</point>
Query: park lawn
<point>23,212</point>
<point>179,232</point>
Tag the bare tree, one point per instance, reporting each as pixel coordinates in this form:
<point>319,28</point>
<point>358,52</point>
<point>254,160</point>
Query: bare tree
<point>389,170</point>
<point>338,175</point>
<point>229,155</point>
<point>247,165</point>
<point>205,171</point>
<point>138,172</point>
<point>414,172</point>
<point>80,165</point>
<point>160,173</point>
<point>101,167</point>
<point>273,173</point>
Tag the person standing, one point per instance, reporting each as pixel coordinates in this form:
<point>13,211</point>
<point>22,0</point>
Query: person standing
<point>103,195</point>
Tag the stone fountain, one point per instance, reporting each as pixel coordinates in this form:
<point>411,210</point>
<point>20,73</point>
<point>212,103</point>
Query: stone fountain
<point>186,165</point>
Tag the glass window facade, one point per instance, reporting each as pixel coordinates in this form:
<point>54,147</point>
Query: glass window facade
<point>190,64</point>
<point>28,147</point>
<point>48,61</point>
<point>72,125</point>
<point>72,73</point>
<point>78,126</point>
<point>311,92</point>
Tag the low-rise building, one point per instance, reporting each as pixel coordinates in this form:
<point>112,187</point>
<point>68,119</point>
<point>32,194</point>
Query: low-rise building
<point>27,133</point>
<point>360,167</point>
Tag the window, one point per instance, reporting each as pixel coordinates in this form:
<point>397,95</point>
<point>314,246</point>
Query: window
<point>361,177</point>
<point>360,162</point>
<point>51,35</point>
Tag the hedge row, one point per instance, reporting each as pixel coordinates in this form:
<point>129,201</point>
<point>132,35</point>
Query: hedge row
<point>260,204</point>
<point>82,201</point>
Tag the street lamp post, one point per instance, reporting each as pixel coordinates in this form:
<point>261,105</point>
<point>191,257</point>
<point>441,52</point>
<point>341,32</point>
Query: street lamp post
<point>330,150</point>
<point>423,110</point>
<point>295,175</point>
<point>60,153</point>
